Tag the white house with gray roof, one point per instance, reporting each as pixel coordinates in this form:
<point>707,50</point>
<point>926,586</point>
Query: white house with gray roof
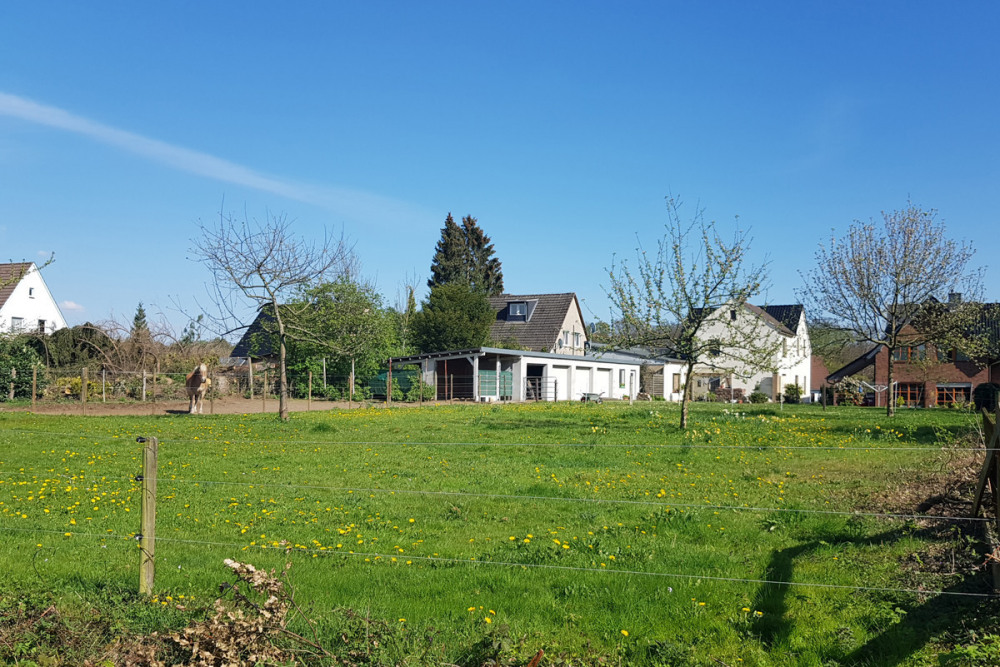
<point>551,323</point>
<point>780,329</point>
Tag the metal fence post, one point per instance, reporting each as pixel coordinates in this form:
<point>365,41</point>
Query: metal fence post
<point>147,530</point>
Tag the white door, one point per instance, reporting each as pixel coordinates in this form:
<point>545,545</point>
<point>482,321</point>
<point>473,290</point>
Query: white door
<point>602,383</point>
<point>560,376</point>
<point>581,381</point>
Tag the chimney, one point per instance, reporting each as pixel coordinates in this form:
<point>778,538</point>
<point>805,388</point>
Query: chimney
<point>954,298</point>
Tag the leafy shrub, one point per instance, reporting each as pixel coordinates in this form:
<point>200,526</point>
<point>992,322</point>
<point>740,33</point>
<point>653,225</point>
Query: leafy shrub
<point>758,397</point>
<point>413,395</point>
<point>16,354</point>
<point>793,393</point>
<point>69,387</point>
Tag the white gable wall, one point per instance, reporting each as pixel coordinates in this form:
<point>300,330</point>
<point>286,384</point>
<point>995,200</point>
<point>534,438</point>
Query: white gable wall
<point>573,334</point>
<point>792,359</point>
<point>30,305</point>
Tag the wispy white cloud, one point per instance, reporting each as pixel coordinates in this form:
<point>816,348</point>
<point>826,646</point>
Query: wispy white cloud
<point>71,306</point>
<point>352,203</point>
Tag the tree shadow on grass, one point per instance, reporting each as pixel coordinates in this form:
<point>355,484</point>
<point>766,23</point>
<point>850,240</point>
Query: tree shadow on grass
<point>922,618</point>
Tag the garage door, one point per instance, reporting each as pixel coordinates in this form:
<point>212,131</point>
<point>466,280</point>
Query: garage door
<point>560,374</point>
<point>602,382</point>
<point>581,381</point>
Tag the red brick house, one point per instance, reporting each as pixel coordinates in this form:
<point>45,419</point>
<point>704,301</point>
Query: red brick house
<point>925,375</point>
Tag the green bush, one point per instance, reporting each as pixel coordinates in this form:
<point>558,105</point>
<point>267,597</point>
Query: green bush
<point>758,397</point>
<point>413,395</point>
<point>16,354</point>
<point>793,393</point>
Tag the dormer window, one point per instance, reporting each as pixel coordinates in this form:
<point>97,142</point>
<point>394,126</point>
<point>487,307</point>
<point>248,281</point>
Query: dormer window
<point>517,311</point>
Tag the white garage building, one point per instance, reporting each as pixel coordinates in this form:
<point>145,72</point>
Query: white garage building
<point>492,374</point>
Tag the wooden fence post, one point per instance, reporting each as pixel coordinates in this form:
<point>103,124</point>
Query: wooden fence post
<point>211,397</point>
<point>104,385</point>
<point>147,530</point>
<point>34,386</point>
<point>263,393</point>
<point>83,389</point>
<point>309,397</point>
<point>250,375</point>
<point>13,376</point>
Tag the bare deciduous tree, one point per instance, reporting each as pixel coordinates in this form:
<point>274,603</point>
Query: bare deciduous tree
<point>671,301</point>
<point>264,263</point>
<point>890,284</point>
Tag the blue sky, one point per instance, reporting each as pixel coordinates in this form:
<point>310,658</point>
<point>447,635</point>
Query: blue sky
<point>560,125</point>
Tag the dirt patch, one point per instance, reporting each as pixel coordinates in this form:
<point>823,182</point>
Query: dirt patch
<point>230,405</point>
<point>946,492</point>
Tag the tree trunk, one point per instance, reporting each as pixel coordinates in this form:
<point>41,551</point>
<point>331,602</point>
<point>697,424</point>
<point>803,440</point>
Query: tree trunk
<point>890,405</point>
<point>282,383</point>
<point>686,396</point>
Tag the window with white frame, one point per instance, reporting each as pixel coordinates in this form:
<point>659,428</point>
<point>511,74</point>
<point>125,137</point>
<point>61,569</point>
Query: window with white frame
<point>16,324</point>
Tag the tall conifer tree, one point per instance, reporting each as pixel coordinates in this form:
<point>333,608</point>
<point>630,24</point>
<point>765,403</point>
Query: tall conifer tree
<point>465,254</point>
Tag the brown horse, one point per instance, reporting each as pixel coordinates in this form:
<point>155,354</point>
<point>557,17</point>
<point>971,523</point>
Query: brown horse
<point>197,384</point>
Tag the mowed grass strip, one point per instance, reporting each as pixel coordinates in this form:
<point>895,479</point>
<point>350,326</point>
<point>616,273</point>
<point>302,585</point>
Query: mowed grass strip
<point>567,523</point>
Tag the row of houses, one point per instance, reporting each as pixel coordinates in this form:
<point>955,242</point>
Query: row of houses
<point>541,351</point>
<point>547,355</point>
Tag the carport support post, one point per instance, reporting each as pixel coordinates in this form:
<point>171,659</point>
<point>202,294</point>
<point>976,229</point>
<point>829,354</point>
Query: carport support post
<point>147,530</point>
<point>475,380</point>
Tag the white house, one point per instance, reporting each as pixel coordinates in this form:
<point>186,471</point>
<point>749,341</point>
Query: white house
<point>539,322</point>
<point>26,305</point>
<point>780,329</point>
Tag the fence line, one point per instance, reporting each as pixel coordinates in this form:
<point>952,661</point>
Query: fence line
<point>569,568</point>
<point>405,443</point>
<point>663,505</point>
<point>609,501</point>
<point>539,566</point>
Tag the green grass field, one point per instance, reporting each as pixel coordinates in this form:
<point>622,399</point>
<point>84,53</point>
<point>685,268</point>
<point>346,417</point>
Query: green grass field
<point>594,532</point>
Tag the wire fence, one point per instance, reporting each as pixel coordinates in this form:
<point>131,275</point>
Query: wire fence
<point>196,486</point>
<point>85,384</point>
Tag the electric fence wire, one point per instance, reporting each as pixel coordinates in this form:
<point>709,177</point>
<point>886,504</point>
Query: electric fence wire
<point>371,443</point>
<point>610,501</point>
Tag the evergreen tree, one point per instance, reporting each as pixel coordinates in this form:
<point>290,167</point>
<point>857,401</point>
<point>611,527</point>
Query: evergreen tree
<point>454,317</point>
<point>139,325</point>
<point>465,254</point>
<point>484,268</point>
